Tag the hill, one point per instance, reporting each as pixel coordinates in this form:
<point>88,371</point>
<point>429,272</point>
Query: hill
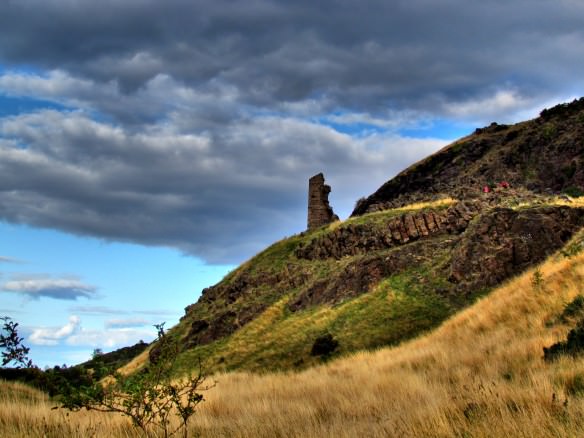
<point>543,155</point>
<point>397,269</point>
<point>480,374</point>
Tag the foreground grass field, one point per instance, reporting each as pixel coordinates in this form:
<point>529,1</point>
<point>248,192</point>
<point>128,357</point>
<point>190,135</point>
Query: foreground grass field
<point>480,374</point>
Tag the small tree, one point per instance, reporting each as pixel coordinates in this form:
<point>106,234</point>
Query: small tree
<point>149,397</point>
<point>13,350</point>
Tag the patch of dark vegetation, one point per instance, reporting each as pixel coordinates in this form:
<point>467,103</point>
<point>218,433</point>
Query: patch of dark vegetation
<point>575,385</point>
<point>53,380</point>
<point>563,109</point>
<point>573,309</point>
<point>535,158</point>
<point>493,127</point>
<point>114,359</point>
<point>573,191</point>
<point>324,345</point>
<point>572,346</point>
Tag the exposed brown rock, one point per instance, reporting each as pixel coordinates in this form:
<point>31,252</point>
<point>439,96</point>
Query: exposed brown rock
<point>319,211</point>
<point>362,238</point>
<point>505,242</point>
<point>359,276</point>
<point>502,243</point>
<point>410,226</point>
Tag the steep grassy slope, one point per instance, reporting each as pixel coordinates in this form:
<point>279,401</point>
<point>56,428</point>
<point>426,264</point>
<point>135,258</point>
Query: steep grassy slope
<point>480,374</point>
<point>363,285</point>
<point>544,154</point>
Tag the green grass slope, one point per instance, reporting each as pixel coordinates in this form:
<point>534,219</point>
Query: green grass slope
<point>247,322</point>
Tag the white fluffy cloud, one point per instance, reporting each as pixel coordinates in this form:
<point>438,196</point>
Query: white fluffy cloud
<point>73,334</point>
<point>54,335</point>
<point>119,323</point>
<point>110,338</point>
<point>4,259</point>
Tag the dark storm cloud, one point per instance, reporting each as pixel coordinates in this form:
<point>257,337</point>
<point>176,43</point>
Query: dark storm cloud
<point>196,124</point>
<point>221,195</point>
<point>358,53</point>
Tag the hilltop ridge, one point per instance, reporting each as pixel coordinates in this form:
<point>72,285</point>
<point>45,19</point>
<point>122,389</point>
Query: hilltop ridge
<point>540,156</point>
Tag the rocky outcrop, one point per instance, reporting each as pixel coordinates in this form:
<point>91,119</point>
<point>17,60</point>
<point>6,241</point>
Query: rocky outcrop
<point>230,305</point>
<point>501,243</point>
<point>320,213</point>
<point>365,272</point>
<point>470,247</point>
<point>504,242</point>
<point>354,239</point>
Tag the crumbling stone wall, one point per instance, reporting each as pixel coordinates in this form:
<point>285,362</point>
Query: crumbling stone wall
<point>319,211</point>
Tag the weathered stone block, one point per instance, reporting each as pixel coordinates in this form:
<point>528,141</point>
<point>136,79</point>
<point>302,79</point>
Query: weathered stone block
<point>319,211</point>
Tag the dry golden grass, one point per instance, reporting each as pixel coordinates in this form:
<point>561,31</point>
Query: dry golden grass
<point>480,374</point>
<point>25,412</point>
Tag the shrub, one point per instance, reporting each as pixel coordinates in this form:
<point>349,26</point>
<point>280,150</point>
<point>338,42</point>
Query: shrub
<point>575,385</point>
<point>13,350</point>
<point>573,345</point>
<point>149,398</point>
<point>549,131</point>
<point>324,345</point>
<point>573,308</point>
<point>537,279</point>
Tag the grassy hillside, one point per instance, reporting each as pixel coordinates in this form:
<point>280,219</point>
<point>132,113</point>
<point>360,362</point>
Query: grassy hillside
<point>480,374</point>
<point>265,316</point>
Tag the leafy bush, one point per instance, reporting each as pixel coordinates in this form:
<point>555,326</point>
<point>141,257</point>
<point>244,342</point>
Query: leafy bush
<point>324,345</point>
<point>537,279</point>
<point>549,131</point>
<point>150,397</point>
<point>13,350</point>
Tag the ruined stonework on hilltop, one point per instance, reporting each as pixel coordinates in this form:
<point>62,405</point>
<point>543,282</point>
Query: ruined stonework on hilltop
<point>319,211</point>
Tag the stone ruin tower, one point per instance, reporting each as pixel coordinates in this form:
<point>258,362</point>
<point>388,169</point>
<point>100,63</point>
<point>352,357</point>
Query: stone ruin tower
<point>319,211</point>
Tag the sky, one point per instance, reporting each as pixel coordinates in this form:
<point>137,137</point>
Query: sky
<point>147,148</point>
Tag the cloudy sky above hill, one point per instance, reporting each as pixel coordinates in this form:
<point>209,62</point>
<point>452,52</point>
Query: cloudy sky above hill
<point>147,147</point>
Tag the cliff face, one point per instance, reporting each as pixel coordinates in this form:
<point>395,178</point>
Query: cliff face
<point>541,156</point>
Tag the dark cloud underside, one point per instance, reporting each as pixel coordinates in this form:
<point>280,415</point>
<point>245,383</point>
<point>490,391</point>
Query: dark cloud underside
<point>195,124</point>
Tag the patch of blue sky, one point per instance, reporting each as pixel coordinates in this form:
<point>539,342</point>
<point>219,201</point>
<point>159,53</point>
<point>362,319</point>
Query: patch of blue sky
<point>361,129</point>
<point>27,69</point>
<point>13,106</point>
<point>442,129</point>
<point>132,281</point>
